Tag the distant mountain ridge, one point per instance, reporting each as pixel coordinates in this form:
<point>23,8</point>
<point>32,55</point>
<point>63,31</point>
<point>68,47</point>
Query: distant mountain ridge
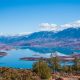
<point>67,37</point>
<point>69,33</point>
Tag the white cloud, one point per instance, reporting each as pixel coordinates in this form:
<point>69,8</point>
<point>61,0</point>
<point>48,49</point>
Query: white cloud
<point>48,27</point>
<point>73,24</point>
<point>19,34</point>
<point>24,33</point>
<point>55,27</point>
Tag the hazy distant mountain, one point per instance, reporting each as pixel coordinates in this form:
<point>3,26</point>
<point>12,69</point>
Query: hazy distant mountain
<point>66,38</point>
<point>66,33</point>
<point>69,33</point>
<point>41,34</point>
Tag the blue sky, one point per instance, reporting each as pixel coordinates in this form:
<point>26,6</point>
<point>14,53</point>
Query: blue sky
<point>18,16</point>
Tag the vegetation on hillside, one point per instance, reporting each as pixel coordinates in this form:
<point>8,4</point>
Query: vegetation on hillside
<point>17,74</point>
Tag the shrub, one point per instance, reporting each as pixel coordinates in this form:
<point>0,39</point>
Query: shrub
<point>41,68</point>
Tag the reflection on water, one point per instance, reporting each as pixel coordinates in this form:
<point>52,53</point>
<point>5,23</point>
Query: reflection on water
<point>12,59</point>
<point>67,50</point>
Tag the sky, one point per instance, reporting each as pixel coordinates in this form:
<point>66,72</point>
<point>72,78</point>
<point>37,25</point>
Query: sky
<point>24,16</point>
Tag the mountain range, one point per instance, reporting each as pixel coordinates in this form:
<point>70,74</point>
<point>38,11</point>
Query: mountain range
<point>67,38</point>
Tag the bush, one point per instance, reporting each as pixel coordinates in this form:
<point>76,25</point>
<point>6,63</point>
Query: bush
<point>41,68</point>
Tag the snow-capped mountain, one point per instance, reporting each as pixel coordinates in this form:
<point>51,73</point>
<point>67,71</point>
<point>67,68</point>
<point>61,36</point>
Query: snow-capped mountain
<point>43,37</point>
<point>44,41</point>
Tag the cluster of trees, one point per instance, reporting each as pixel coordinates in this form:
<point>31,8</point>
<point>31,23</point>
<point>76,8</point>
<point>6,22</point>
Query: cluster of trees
<point>45,68</point>
<point>56,66</point>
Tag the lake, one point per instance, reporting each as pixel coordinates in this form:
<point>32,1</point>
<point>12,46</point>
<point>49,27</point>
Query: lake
<point>12,59</point>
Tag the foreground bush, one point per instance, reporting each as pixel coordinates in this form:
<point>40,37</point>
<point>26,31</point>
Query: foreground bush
<point>41,68</point>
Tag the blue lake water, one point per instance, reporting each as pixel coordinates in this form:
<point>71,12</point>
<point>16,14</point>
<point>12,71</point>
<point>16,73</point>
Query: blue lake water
<point>12,59</point>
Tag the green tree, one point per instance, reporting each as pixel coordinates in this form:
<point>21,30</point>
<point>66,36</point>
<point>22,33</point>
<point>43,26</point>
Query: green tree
<point>54,63</point>
<point>41,68</point>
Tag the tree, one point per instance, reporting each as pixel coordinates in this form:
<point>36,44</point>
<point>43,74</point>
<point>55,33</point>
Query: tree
<point>54,63</point>
<point>41,68</point>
